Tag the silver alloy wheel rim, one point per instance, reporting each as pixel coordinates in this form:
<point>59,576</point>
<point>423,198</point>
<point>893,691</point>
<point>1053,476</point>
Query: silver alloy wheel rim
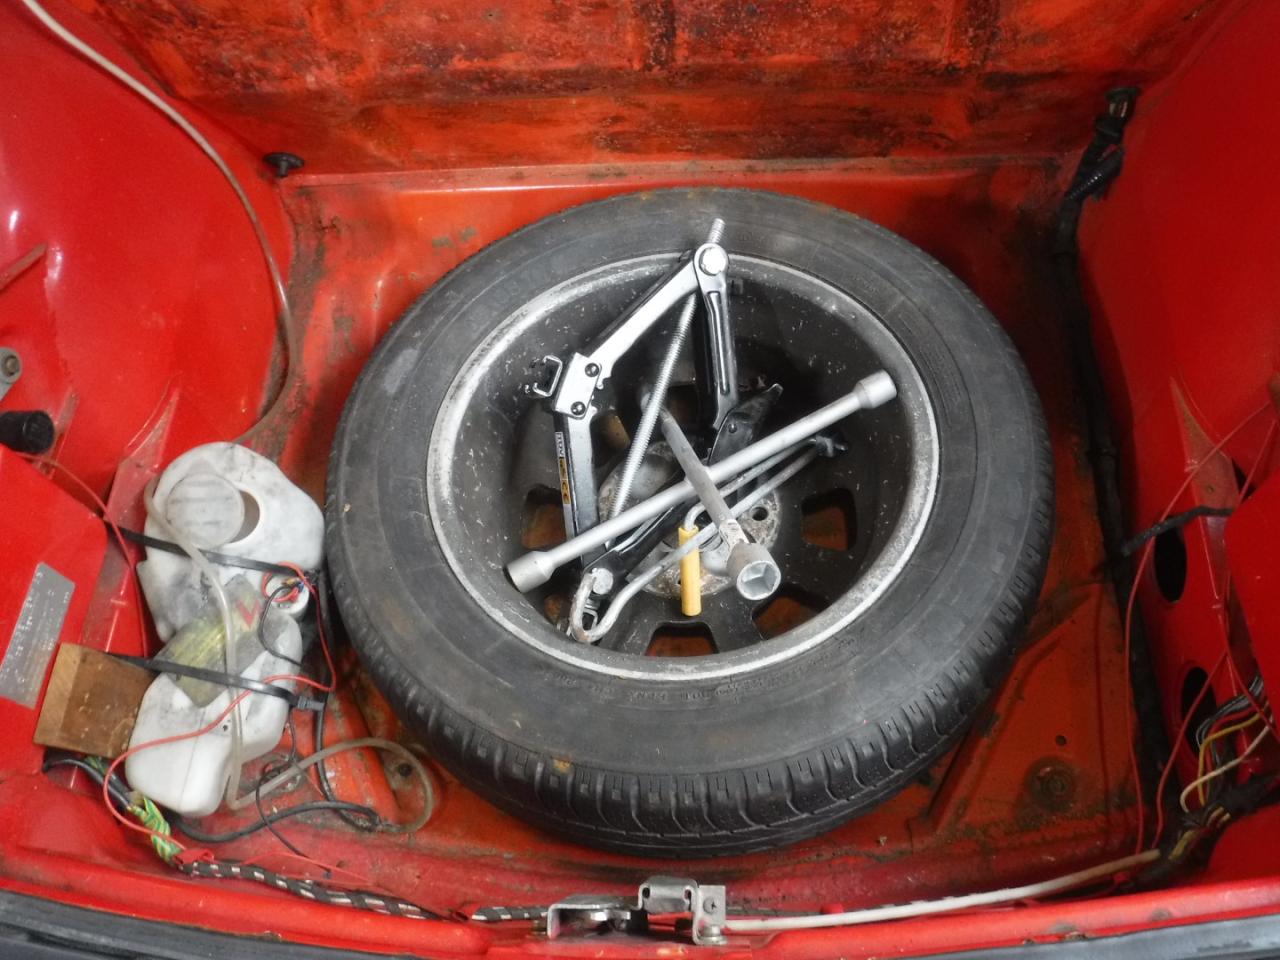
<point>524,622</point>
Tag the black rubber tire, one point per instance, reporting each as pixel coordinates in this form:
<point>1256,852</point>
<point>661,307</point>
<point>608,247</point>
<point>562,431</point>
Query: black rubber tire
<point>698,769</point>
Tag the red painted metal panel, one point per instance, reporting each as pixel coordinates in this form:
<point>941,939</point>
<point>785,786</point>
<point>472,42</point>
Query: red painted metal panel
<point>364,84</point>
<point>1252,537</point>
<point>1180,262</point>
<point>42,525</point>
<point>151,287</point>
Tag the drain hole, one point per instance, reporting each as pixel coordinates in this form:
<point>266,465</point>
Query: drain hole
<point>1170,562</point>
<point>681,640</point>
<point>786,610</point>
<point>829,520</point>
<point>1192,684</point>
<point>760,513</point>
<point>542,519</point>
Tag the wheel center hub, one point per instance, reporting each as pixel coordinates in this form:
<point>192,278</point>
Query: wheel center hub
<point>760,523</point>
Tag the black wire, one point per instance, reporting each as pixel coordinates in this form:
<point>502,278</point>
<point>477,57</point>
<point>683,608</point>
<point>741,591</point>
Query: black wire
<point>293,740</point>
<point>1134,544</point>
<point>280,591</point>
<point>1236,704</point>
<point>117,791</point>
<point>262,814</point>
<point>322,614</point>
<point>311,806</point>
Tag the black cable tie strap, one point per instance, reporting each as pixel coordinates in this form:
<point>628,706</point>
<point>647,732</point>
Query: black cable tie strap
<point>308,889</point>
<point>221,559</point>
<point>1133,545</point>
<point>296,701</point>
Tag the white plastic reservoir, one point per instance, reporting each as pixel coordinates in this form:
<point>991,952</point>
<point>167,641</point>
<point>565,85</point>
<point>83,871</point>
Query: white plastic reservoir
<point>225,498</point>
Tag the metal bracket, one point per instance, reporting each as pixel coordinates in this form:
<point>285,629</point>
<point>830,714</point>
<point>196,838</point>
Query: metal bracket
<point>717,362</point>
<point>10,369</point>
<point>704,905</point>
<point>585,910</point>
<point>554,367</point>
<point>574,382</point>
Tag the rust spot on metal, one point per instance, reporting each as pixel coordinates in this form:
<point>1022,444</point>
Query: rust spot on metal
<point>787,609</point>
<point>542,520</point>
<point>681,640</point>
<point>829,520</point>
<point>1053,785</point>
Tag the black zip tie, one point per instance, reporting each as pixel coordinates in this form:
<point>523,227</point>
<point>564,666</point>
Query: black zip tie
<point>295,700</point>
<point>221,559</point>
<point>1132,546</point>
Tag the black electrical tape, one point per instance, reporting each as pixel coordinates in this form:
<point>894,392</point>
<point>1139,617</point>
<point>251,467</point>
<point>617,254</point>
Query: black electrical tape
<point>221,559</point>
<point>294,700</point>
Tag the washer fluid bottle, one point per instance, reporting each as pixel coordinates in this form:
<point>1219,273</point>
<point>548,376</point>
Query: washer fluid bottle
<point>226,498</point>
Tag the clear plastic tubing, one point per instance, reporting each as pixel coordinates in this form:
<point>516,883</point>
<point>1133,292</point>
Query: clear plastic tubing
<point>220,596</point>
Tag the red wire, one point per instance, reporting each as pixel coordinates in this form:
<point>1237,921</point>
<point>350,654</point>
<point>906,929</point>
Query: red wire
<point>189,735</point>
<point>1143,560</point>
<point>1179,739</point>
<point>1242,686</point>
<point>324,640</point>
<point>129,559</point>
<point>289,597</point>
<point>130,562</point>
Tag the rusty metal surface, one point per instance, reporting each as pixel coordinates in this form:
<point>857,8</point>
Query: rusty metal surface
<point>366,84</point>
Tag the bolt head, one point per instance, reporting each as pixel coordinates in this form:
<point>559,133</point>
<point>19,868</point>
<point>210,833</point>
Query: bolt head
<point>578,409</point>
<point>593,369</point>
<point>11,366</point>
<point>714,260</point>
<point>601,582</point>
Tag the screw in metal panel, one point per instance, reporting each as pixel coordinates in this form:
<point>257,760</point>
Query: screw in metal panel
<point>578,409</point>
<point>11,365</point>
<point>593,370</point>
<point>1053,785</point>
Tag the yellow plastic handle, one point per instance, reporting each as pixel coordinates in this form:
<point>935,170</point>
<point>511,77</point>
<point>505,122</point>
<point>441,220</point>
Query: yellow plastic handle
<point>690,576</point>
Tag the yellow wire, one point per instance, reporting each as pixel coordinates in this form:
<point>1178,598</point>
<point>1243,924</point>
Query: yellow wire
<point>1204,749</point>
<point>1231,765</point>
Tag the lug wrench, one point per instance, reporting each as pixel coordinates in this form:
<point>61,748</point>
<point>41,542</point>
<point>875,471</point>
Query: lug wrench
<point>754,572</point>
<point>536,567</point>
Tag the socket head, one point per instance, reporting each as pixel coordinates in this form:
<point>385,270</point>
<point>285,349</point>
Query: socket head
<point>754,571</point>
<point>531,570</point>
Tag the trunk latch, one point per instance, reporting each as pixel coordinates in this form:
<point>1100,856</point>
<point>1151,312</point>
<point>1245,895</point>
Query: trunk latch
<point>658,896</point>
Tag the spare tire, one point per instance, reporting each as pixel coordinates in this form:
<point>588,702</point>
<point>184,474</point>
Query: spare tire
<point>911,561</point>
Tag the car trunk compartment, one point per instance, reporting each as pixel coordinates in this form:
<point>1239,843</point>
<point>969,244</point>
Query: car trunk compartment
<point>146,326</point>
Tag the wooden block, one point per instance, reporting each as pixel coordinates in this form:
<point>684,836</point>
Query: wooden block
<point>91,702</point>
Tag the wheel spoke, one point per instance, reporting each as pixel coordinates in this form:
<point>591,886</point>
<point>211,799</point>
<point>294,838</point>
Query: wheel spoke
<point>827,573</point>
<point>634,629</point>
<point>728,617</point>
